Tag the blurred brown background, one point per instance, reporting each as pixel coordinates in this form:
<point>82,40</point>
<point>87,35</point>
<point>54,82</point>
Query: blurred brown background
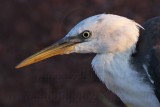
<point>27,26</point>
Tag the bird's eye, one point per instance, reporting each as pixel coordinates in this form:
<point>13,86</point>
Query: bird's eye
<point>86,34</point>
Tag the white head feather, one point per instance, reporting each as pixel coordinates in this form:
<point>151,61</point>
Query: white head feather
<point>110,34</point>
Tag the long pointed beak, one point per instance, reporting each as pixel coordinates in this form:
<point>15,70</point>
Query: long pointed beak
<point>61,47</point>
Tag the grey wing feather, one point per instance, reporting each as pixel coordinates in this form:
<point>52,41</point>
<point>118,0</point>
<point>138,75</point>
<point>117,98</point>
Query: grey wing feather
<point>148,51</point>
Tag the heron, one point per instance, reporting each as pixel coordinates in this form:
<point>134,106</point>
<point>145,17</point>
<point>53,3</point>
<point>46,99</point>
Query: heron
<point>127,57</point>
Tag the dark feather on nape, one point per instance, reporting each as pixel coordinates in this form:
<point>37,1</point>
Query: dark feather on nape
<point>148,51</point>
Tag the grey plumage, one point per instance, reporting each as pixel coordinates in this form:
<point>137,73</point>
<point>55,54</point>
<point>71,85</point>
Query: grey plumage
<point>148,51</point>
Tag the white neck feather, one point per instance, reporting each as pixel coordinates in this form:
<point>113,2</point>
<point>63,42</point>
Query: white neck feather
<point>114,64</point>
<point>119,76</point>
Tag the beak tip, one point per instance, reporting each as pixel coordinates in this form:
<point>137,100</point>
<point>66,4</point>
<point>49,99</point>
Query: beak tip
<point>18,66</point>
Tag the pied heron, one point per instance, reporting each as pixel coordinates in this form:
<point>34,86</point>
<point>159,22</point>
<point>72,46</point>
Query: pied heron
<point>127,55</point>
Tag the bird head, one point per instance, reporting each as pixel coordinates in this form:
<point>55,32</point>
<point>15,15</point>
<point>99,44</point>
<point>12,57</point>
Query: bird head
<point>101,34</point>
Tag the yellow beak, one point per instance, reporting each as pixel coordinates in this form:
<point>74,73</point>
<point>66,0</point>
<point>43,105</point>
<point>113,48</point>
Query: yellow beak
<point>58,48</point>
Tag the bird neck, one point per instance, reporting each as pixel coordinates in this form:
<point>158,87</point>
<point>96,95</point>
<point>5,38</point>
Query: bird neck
<point>113,64</point>
<point>119,76</point>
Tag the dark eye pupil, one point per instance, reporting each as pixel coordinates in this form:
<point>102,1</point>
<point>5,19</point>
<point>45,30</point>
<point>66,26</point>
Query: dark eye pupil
<point>86,34</point>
